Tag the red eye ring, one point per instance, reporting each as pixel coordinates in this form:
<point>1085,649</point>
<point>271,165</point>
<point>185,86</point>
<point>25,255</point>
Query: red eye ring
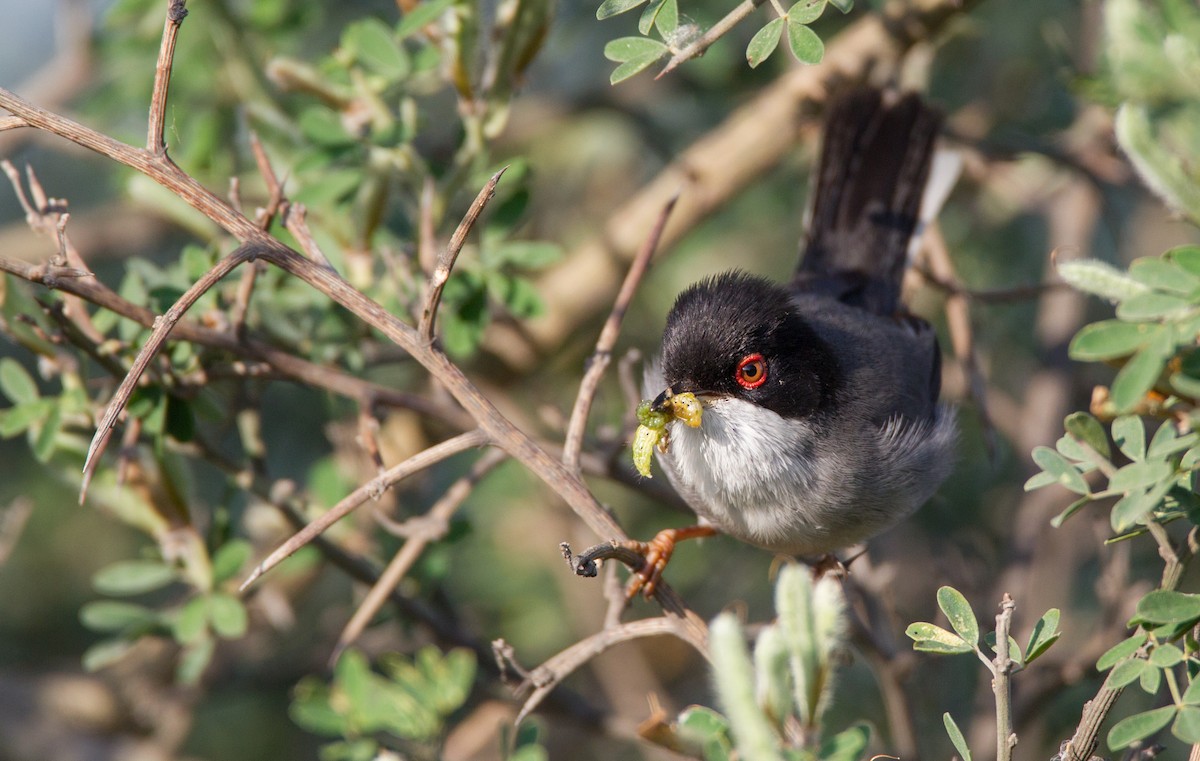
<point>751,371</point>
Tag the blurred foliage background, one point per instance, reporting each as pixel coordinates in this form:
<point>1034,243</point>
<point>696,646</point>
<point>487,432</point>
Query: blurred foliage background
<point>374,122</point>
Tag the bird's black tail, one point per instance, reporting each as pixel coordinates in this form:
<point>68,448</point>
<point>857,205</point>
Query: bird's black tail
<point>873,170</point>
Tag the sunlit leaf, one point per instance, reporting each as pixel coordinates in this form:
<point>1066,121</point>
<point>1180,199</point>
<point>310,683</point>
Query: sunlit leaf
<point>1044,634</point>
<point>764,42</point>
<point>1133,728</point>
<point>805,44</point>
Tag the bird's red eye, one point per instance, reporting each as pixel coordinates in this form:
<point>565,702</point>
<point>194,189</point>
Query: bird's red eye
<point>751,371</point>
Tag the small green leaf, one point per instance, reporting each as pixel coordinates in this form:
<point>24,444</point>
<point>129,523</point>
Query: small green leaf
<point>1120,651</point>
<point>192,622</point>
<point>228,615</point>
<point>1110,339</point>
<point>17,384</point>
<point>1191,695</point>
<point>610,8</point>
<point>1014,650</point>
<point>1129,510</point>
<point>421,16</point>
<point>667,20</point>
<point>929,638</point>
<point>1044,634</point>
<point>1137,377</point>
<point>1186,257</point>
<point>106,653</point>
<point>958,612</point>
<point>228,560</point>
<point>115,616</point>
<point>376,47</point>
<point>47,437</point>
<point>533,255</point>
<point>132,577</point>
<point>1100,279</point>
<point>1166,607</point>
<point>1165,275</point>
<point>847,745</point>
<point>956,737</point>
<point>1150,680</point>
<point>194,660</point>
<point>1064,472</point>
<point>633,48</point>
<point>764,42</point>
<point>1087,429</point>
<point>1187,724</point>
<point>1140,475</point>
<point>1148,307</point>
<point>1129,433</point>
<point>15,420</point>
<point>323,128</point>
<point>646,21</point>
<point>1167,441</point>
<point>1127,672</point>
<point>1166,655</point>
<point>1138,726</point>
<point>806,11</point>
<point>845,6</point>
<point>1040,481</point>
<point>630,68</point>
<point>805,44</point>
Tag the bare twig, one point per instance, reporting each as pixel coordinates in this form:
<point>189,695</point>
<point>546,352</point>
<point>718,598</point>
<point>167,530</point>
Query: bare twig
<point>445,261</point>
<point>716,32</point>
<point>176,12</point>
<point>432,526</point>
<point>295,220</point>
<point>275,202</point>
<point>158,336</point>
<point>546,677</point>
<point>370,490</point>
<point>602,356</point>
<point>1006,740</point>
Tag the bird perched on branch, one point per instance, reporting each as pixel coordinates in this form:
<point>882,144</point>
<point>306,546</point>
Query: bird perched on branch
<point>819,424</point>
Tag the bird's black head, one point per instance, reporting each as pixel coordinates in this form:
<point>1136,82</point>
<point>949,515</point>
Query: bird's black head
<point>735,335</point>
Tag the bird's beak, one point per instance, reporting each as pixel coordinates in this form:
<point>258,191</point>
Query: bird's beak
<point>681,405</point>
<point>662,402</point>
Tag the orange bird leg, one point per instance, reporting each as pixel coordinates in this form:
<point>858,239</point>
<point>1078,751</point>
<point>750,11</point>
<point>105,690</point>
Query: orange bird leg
<point>657,553</point>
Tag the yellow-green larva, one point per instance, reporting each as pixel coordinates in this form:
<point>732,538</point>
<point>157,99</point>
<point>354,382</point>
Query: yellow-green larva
<point>652,430</point>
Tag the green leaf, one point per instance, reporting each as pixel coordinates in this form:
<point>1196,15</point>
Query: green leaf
<point>649,15</point>
<point>194,660</point>
<point>17,384</point>
<point>228,560</point>
<point>1133,506</point>
<point>1127,672</point>
<point>1150,680</point>
<point>1185,384</point>
<point>228,615</point>
<point>132,577</point>
<point>1191,695</point>
<point>47,437</point>
<point>1166,607</point>
<point>1140,475</point>
<point>1129,433</point>
<point>1014,650</point>
<point>192,622</point>
<point>631,48</point>
<point>1147,307</point>
<point>806,11</point>
<point>1167,441</point>
<point>1040,480</point>
<point>1100,279</point>
<point>533,255</point>
<point>311,709</point>
<point>805,44</point>
<point>1063,471</point>
<point>1137,377</point>
<point>421,16</point>
<point>1186,257</point>
<point>610,8</point>
<point>1120,651</point>
<point>847,745</point>
<point>667,20</point>
<point>1187,724</point>
<point>958,612</point>
<point>929,638</point>
<point>845,6</point>
<point>376,47</point>
<point>106,653</point>
<point>1165,275</point>
<point>1138,726</point>
<point>630,68</point>
<point>1166,655</point>
<point>1087,429</point>
<point>115,616</point>
<point>764,42</point>
<point>1044,634</point>
<point>15,420</point>
<point>1110,339</point>
<point>956,737</point>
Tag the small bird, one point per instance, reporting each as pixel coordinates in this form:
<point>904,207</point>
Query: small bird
<point>820,425</point>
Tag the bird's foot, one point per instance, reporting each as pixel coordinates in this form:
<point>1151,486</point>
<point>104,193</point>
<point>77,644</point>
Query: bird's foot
<point>656,553</point>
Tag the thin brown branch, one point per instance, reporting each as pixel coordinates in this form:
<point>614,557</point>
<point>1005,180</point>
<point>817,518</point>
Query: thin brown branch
<point>716,32</point>
<point>429,528</point>
<point>446,259</point>
<point>1006,740</point>
<point>158,337</point>
<point>276,200</point>
<point>546,677</point>
<point>602,356</point>
<point>295,220</point>
<point>12,122</point>
<point>176,12</point>
<point>372,489</point>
